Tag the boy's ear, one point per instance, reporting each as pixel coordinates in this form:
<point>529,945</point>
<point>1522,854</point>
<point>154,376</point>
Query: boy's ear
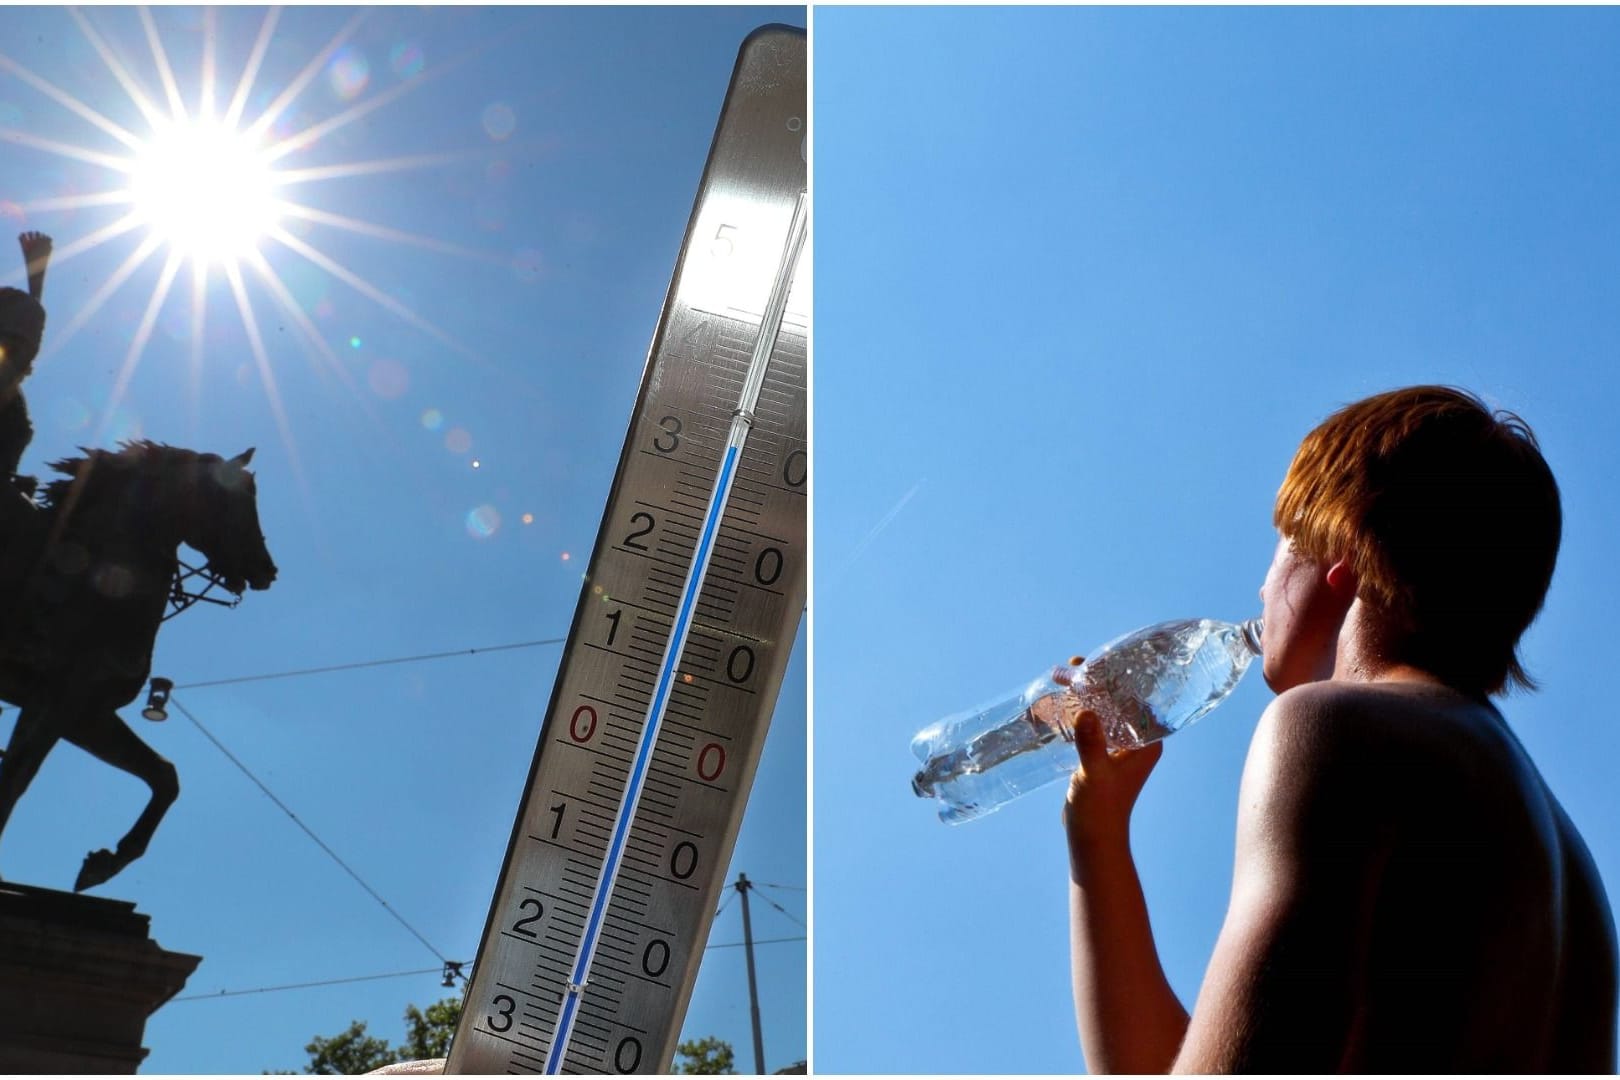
<point>1341,578</point>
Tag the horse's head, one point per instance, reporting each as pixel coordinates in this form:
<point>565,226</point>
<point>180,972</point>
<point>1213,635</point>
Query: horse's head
<point>228,532</point>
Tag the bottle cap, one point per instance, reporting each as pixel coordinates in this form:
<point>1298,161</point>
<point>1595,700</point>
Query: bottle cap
<point>1065,674</point>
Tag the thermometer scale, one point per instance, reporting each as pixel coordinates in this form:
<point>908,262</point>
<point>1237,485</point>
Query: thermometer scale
<point>677,649</point>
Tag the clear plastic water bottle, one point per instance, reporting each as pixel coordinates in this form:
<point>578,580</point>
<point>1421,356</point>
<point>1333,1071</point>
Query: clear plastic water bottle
<point>1145,685</point>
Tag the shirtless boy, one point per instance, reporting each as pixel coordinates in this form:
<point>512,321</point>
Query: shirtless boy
<point>1408,895</point>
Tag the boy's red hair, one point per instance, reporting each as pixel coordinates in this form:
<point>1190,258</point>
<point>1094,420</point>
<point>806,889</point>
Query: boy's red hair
<point>1449,516</point>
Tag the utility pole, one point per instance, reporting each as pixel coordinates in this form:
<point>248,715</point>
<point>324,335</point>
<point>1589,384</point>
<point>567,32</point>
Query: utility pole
<point>742,886</point>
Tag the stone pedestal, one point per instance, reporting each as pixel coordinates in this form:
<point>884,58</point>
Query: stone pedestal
<point>79,975</point>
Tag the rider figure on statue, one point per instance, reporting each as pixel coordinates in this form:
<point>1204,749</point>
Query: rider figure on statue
<point>22,326</point>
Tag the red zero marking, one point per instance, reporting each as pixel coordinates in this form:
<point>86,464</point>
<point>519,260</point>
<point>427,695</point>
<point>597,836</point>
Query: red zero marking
<point>590,724</point>
<point>719,755</point>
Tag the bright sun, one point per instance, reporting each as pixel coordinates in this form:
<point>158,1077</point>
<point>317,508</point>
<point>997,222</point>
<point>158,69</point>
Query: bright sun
<point>205,190</point>
<point>215,185</point>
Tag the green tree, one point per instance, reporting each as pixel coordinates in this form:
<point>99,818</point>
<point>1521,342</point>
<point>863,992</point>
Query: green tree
<point>705,1057</point>
<point>427,1035</point>
<point>348,1053</point>
<point>428,1031</point>
<point>352,1052</point>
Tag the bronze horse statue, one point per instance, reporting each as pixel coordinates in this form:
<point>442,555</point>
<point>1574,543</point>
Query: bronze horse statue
<point>84,580</point>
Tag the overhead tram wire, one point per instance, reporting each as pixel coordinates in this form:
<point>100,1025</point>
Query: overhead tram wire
<point>447,965</point>
<point>783,910</point>
<point>308,831</point>
<point>731,894</point>
<point>305,985</point>
<point>422,971</point>
<point>369,664</point>
<point>355,666</point>
<point>757,941</point>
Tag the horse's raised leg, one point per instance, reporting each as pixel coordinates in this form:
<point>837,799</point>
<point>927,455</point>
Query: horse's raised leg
<point>31,741</point>
<point>105,735</point>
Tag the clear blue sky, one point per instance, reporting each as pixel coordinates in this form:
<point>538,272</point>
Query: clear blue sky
<point>1085,278</point>
<point>553,156</point>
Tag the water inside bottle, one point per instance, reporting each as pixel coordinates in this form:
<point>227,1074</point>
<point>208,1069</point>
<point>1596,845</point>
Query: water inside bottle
<point>1147,687</point>
<point>1143,686</point>
<point>1029,732</point>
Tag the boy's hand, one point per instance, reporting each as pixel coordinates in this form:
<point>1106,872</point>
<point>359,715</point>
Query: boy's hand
<point>1104,789</point>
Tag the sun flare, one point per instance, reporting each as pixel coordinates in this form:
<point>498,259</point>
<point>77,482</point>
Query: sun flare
<point>205,189</point>
<point>216,176</point>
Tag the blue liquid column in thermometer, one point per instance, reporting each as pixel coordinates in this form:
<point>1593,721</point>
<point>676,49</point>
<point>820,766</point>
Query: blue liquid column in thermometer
<point>686,618</point>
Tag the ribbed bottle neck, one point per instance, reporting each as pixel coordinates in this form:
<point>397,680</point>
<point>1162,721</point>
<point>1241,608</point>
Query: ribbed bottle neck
<point>1251,630</point>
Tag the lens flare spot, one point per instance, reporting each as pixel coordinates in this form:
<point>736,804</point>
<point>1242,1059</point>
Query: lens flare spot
<point>528,519</point>
<point>388,379</point>
<point>526,265</point>
<point>349,73</point>
<point>457,441</point>
<point>354,343</point>
<point>491,214</point>
<point>324,308</point>
<point>73,414</point>
<point>175,322</point>
<point>482,521</point>
<point>432,419</point>
<point>686,677</point>
<point>406,59</point>
<point>477,464</point>
<point>499,121</point>
<point>123,426</point>
<point>113,581</point>
<point>11,211</point>
<point>498,171</point>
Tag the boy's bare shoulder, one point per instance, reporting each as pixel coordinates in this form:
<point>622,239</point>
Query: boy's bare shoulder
<point>1347,715</point>
<point>1370,742</point>
<point>1332,718</point>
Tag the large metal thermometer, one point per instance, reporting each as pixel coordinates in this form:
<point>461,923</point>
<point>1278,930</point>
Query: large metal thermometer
<point>683,629</point>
